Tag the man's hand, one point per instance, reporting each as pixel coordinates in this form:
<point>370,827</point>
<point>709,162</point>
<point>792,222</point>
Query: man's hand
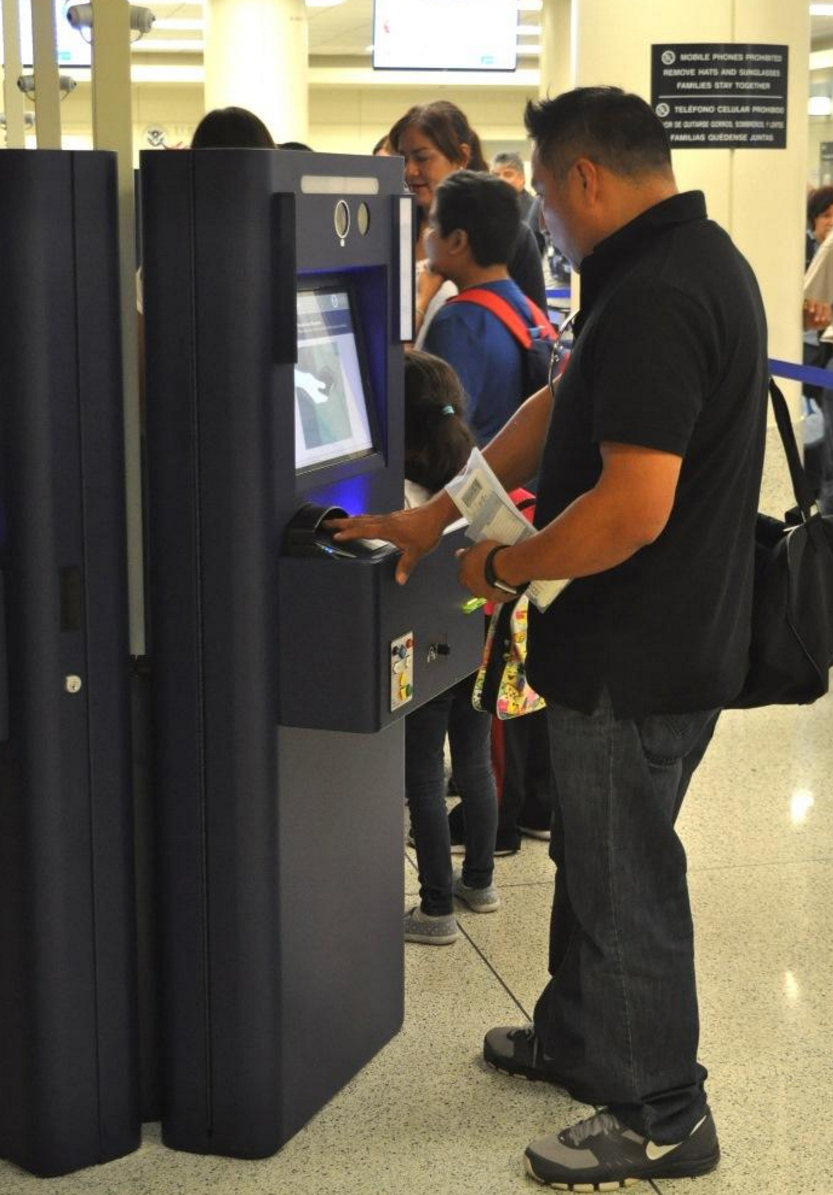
<point>472,561</point>
<point>416,532</point>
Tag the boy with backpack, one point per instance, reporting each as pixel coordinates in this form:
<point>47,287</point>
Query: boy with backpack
<point>496,339</point>
<point>500,344</point>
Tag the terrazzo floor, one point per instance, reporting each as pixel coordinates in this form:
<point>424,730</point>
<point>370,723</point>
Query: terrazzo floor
<point>426,1117</point>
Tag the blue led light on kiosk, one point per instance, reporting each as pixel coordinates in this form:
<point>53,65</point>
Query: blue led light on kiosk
<point>352,494</point>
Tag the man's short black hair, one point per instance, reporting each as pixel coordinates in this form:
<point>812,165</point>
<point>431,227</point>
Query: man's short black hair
<point>609,126</point>
<point>485,208</point>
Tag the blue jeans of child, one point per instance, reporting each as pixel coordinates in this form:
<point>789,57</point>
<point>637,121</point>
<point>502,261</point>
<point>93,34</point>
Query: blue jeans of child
<point>468,736</point>
<point>619,1016</point>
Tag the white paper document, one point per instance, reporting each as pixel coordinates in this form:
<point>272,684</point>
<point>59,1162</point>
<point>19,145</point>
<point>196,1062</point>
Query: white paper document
<point>491,514</point>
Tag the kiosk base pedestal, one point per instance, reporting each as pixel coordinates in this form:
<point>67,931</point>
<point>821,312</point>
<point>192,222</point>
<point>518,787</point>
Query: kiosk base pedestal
<point>331,987</point>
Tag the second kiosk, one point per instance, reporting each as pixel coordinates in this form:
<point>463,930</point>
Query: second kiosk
<point>278,294</point>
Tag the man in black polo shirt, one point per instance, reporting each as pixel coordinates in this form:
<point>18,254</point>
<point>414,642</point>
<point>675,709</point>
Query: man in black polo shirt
<point>648,489</point>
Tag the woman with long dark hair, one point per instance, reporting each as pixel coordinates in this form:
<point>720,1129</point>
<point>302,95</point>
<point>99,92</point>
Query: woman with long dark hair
<point>435,140</point>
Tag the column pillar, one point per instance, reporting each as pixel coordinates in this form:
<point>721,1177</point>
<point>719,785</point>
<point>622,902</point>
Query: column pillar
<point>12,97</point>
<point>757,195</point>
<point>256,57</point>
<point>113,130</point>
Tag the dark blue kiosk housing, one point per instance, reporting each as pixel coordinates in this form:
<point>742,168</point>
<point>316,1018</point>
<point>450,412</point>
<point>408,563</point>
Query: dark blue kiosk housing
<point>69,1087</point>
<point>278,294</point>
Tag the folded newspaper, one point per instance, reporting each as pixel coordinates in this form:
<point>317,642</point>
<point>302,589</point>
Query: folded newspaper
<point>491,514</point>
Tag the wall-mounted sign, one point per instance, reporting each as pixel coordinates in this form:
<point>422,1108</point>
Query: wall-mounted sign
<point>721,96</point>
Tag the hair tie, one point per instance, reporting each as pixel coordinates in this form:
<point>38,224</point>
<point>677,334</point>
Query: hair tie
<point>447,410</point>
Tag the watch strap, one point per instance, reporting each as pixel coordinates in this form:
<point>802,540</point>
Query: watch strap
<point>492,579</point>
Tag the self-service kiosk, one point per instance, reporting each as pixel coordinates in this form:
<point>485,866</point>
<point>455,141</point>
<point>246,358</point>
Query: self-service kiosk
<point>68,1024</point>
<point>278,294</point>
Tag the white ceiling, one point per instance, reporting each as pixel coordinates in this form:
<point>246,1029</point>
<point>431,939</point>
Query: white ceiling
<point>345,30</point>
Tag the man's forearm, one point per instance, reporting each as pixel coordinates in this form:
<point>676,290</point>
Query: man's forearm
<point>515,452</point>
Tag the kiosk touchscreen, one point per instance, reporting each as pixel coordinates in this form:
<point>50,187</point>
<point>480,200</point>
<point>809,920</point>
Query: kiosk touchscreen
<point>333,415</point>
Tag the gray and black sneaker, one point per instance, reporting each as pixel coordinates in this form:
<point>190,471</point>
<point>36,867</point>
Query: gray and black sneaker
<point>601,1154</point>
<point>431,931</point>
<point>479,900</point>
<point>516,1050</point>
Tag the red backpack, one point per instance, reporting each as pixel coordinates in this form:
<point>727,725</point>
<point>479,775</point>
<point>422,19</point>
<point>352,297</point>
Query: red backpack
<point>536,339</point>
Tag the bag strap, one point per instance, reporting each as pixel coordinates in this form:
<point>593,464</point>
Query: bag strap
<point>804,496</point>
<point>508,315</point>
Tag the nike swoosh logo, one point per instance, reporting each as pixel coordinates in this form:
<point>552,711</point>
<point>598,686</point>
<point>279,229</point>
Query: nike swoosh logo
<point>654,1152</point>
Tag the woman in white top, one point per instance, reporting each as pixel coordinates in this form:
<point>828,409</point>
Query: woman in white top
<point>435,140</point>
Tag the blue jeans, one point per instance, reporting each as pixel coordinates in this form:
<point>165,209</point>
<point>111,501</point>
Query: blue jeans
<point>619,1016</point>
<point>468,735</point>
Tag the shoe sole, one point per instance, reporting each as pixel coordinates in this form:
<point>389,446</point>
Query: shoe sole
<point>446,940</point>
<point>541,835</point>
<point>685,1170</point>
<point>478,908</point>
<point>608,1186</point>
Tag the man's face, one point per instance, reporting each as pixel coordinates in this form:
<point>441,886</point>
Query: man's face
<point>436,245</point>
<point>561,211</point>
<point>510,175</point>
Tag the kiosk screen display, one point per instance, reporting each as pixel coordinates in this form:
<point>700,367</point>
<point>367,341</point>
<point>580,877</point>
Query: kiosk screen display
<point>332,417</point>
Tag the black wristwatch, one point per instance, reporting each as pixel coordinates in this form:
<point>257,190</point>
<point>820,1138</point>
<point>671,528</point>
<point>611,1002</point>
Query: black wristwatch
<point>492,579</point>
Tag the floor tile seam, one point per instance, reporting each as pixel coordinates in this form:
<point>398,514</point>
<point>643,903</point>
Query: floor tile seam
<point>490,966</point>
<point>758,865</point>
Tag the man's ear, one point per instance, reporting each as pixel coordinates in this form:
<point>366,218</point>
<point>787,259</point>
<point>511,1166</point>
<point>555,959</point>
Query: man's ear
<point>588,176</point>
<point>458,242</point>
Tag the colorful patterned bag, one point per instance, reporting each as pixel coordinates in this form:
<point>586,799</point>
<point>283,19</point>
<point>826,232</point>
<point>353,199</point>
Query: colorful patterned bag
<point>501,687</point>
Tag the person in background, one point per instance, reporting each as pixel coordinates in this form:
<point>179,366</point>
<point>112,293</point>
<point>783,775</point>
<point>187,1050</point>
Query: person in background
<point>231,128</point>
<point>382,148</point>
<point>471,229</point>
<point>819,221</point>
<point>818,342</point>
<point>649,450</point>
<point>435,140</point>
<point>509,166</point>
<point>472,225</point>
<point>437,446</point>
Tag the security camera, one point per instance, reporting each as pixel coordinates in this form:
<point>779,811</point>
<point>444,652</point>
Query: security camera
<point>28,120</point>
<point>80,16</point>
<point>26,84</point>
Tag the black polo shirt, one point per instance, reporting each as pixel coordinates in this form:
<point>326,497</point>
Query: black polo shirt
<point>670,353</point>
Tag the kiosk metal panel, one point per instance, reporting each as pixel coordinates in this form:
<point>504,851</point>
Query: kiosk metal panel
<point>68,1049</point>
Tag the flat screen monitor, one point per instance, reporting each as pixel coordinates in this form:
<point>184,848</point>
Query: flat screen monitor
<point>73,49</point>
<point>333,414</point>
<point>450,35</point>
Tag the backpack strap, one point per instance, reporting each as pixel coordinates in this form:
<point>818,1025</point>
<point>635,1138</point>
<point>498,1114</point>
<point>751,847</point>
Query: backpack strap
<point>508,315</point>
